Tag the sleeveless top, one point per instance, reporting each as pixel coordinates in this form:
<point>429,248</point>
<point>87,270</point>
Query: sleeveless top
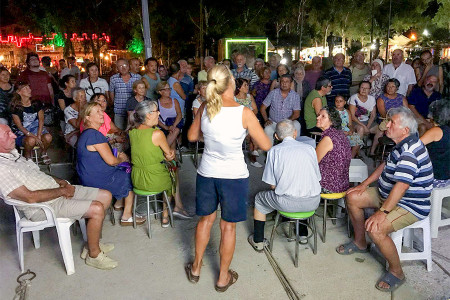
<point>334,166</point>
<point>148,173</point>
<point>345,119</point>
<point>392,103</point>
<point>151,91</point>
<point>165,113</point>
<point>247,102</point>
<point>223,136</point>
<point>174,95</point>
<point>440,155</point>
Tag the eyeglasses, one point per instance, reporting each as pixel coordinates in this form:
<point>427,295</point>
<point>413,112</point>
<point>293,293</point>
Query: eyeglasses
<point>166,89</point>
<point>152,111</point>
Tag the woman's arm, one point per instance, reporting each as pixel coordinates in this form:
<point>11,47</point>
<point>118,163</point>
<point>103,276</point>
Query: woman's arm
<point>179,114</point>
<point>381,108</point>
<point>159,139</point>
<point>105,152</point>
<point>177,87</point>
<point>254,107</point>
<point>251,123</point>
<point>373,115</point>
<point>62,104</point>
<point>434,134</point>
<point>114,128</point>
<point>325,145</point>
<point>41,123</point>
<point>405,102</point>
<point>19,125</point>
<point>350,123</point>
<point>195,131</point>
<point>194,111</point>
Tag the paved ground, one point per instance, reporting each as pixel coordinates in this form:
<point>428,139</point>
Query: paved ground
<point>153,268</point>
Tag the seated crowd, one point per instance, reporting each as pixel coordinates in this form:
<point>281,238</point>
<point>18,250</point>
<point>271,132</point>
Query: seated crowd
<point>151,112</point>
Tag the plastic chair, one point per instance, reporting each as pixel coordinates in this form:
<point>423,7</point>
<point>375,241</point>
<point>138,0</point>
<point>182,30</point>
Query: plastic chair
<point>34,154</point>
<point>437,196</point>
<point>326,197</point>
<point>62,228</point>
<point>296,218</point>
<point>155,202</point>
<point>407,235</point>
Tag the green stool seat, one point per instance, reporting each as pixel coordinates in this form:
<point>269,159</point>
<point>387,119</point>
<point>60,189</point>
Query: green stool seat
<point>297,215</point>
<point>305,218</point>
<point>144,193</point>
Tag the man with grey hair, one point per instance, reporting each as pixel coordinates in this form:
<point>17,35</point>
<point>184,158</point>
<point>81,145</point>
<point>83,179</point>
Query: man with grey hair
<point>292,171</point>
<point>242,71</point>
<point>405,182</point>
<point>209,62</point>
<point>186,82</point>
<point>274,61</point>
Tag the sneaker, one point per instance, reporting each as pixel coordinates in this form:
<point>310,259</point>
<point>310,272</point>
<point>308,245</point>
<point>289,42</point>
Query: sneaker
<point>258,247</point>
<point>256,164</point>
<point>102,262</point>
<point>255,153</point>
<point>107,247</point>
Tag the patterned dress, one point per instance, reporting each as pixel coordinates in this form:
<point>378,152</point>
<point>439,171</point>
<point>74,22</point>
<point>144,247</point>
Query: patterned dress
<point>334,166</point>
<point>247,102</point>
<point>354,139</point>
<point>261,91</point>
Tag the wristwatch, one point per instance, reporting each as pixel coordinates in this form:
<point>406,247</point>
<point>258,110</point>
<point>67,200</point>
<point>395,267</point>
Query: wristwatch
<point>385,211</point>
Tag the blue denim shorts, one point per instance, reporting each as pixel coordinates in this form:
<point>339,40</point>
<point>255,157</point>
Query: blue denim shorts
<point>232,194</point>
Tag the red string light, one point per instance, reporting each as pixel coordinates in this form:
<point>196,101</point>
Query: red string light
<point>20,41</point>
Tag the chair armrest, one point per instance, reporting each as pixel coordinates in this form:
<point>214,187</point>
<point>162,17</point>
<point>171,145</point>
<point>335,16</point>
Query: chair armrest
<point>48,210</point>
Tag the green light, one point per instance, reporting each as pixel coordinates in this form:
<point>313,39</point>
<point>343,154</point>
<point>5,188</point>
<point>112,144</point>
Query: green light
<point>58,41</point>
<point>247,41</point>
<point>136,46</point>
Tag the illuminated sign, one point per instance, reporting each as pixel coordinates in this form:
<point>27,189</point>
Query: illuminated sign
<point>31,39</point>
<point>44,48</point>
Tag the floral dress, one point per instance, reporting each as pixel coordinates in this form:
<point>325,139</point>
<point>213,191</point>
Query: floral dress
<point>354,139</point>
<point>247,102</point>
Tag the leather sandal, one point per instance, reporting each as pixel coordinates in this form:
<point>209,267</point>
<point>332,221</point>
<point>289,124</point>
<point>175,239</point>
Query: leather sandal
<point>191,277</point>
<point>234,277</point>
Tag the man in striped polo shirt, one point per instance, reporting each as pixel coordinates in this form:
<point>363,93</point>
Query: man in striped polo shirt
<point>405,182</point>
<point>340,77</point>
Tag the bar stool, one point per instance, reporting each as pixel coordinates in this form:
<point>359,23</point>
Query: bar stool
<point>34,154</point>
<point>406,238</point>
<point>326,197</point>
<point>437,195</point>
<point>151,198</point>
<point>297,218</point>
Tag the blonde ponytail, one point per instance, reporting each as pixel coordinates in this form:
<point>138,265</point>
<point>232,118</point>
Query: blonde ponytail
<point>218,80</point>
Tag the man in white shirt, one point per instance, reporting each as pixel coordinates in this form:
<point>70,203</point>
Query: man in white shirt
<point>402,72</point>
<point>93,84</point>
<point>293,173</point>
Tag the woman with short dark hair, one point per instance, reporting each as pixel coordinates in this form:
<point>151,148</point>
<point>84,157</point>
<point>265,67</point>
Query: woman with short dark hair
<point>333,152</point>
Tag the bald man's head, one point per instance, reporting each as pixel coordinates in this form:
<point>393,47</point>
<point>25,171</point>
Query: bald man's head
<point>7,139</point>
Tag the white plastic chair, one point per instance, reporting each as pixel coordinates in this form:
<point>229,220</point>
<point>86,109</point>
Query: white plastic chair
<point>62,228</point>
<point>437,196</point>
<point>406,238</point>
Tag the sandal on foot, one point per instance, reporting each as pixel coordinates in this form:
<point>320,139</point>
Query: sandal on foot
<point>393,281</point>
<point>118,208</point>
<point>191,277</point>
<point>350,248</point>
<point>165,222</point>
<point>45,159</point>
<point>234,277</point>
<point>129,222</point>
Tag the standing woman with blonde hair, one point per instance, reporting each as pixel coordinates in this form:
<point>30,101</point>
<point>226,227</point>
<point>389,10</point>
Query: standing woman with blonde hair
<point>222,176</point>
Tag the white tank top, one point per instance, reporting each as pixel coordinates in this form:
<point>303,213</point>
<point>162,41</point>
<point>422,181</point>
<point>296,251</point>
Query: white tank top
<point>222,156</point>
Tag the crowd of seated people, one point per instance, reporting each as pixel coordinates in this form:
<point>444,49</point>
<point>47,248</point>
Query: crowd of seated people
<point>155,126</point>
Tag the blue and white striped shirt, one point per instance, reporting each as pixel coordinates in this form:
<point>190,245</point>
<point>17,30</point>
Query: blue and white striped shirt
<point>409,163</point>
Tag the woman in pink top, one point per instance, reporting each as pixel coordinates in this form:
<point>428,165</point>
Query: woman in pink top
<point>117,138</point>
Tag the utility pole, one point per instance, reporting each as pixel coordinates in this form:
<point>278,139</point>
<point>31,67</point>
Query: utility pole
<point>146,25</point>
<point>371,32</point>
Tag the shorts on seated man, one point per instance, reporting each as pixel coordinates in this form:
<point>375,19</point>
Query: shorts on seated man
<point>22,180</point>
